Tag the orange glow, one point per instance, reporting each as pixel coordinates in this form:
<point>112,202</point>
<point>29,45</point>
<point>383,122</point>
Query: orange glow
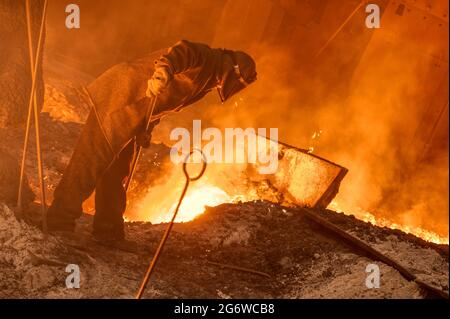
<point>196,201</point>
<point>202,195</point>
<point>194,204</point>
<point>227,185</point>
<point>382,222</point>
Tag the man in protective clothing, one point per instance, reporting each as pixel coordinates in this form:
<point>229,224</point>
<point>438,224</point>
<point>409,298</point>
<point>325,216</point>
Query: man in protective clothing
<point>116,125</point>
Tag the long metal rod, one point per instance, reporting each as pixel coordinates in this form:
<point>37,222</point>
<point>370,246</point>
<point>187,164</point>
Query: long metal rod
<point>239,268</point>
<point>372,252</point>
<point>30,110</point>
<point>155,258</point>
<point>138,153</point>
<point>32,104</point>
<point>338,29</point>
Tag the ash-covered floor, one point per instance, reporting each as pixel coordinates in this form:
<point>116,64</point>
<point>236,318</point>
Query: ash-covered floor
<point>302,260</point>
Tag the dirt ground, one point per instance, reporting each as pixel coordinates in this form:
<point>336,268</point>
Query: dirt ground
<point>296,258</point>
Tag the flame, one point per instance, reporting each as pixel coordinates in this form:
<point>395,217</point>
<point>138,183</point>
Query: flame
<point>368,217</point>
<point>195,202</point>
<point>200,196</point>
<point>315,136</point>
<point>159,201</point>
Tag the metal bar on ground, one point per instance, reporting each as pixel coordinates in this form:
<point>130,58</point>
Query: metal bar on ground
<point>372,252</point>
<point>243,269</point>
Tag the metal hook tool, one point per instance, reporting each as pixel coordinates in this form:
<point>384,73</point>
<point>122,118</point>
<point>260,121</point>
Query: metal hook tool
<point>189,179</point>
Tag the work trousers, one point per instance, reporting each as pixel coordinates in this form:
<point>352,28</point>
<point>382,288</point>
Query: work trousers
<point>93,165</point>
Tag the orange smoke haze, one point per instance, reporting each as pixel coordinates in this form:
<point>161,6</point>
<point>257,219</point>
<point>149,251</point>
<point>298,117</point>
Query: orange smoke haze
<point>371,126</point>
<point>374,101</point>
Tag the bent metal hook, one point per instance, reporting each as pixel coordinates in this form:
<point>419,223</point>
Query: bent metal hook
<point>189,179</point>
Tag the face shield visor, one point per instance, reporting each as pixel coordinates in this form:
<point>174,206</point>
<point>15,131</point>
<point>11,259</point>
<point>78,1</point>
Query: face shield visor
<point>233,81</point>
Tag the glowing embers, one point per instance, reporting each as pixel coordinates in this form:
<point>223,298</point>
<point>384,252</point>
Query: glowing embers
<point>195,202</point>
<point>382,222</point>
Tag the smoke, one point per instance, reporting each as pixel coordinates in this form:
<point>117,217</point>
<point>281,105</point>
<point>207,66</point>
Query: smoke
<point>369,127</point>
<point>114,31</point>
<point>357,105</point>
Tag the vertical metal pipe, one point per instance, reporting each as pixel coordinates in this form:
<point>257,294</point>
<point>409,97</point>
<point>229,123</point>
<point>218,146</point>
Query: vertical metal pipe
<point>34,62</point>
<point>339,29</point>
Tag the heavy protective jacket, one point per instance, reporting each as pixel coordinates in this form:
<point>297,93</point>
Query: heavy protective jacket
<point>101,159</point>
<point>119,97</point>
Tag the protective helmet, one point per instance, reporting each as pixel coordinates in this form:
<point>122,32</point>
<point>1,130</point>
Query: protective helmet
<point>239,70</point>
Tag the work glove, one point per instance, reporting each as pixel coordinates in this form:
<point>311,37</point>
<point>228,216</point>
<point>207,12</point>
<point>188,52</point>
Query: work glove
<point>159,81</point>
<point>144,138</point>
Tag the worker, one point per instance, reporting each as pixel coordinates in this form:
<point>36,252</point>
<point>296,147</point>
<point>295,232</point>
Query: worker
<point>121,100</point>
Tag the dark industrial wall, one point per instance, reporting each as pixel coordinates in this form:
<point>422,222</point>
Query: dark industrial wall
<point>15,72</point>
<point>114,30</point>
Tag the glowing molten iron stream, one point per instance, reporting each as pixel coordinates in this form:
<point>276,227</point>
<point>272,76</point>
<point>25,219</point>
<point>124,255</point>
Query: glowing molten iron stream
<point>195,202</point>
<point>160,203</point>
<point>381,222</point>
<point>198,197</point>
